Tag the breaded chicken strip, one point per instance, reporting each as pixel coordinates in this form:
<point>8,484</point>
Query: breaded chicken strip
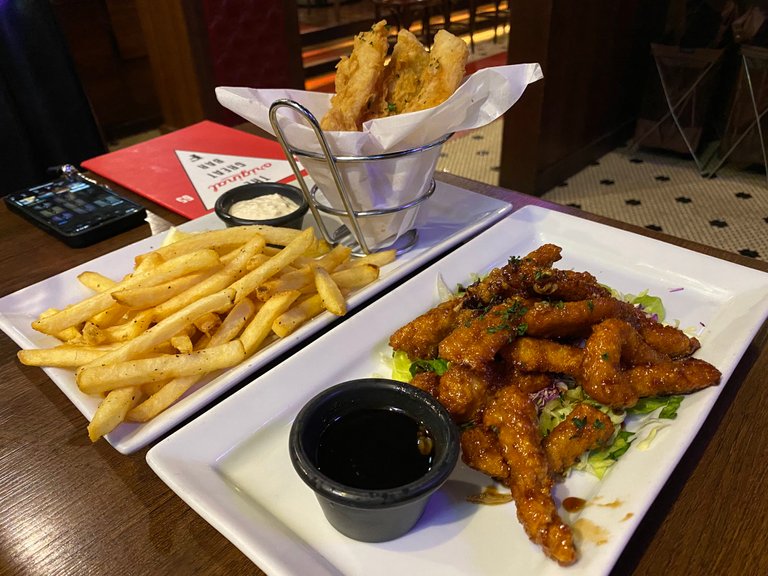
<point>476,342</point>
<point>528,382</point>
<point>539,355</point>
<point>546,319</point>
<point>673,377</point>
<point>512,279</point>
<point>444,73</point>
<point>420,338</point>
<point>513,415</point>
<point>464,392</point>
<point>663,338</point>
<point>585,428</point>
<point>427,381</point>
<point>403,76</point>
<point>567,285</point>
<point>480,450</point>
<point>358,78</point>
<point>614,346</point>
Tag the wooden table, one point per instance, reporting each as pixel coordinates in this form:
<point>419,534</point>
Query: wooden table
<point>70,507</point>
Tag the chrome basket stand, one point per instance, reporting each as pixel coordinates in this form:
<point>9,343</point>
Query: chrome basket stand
<point>355,238</point>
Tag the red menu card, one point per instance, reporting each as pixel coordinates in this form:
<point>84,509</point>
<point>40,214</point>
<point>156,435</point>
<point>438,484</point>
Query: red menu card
<point>186,170</point>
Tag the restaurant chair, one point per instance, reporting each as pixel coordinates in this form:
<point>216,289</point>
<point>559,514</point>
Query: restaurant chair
<point>686,78</point>
<point>45,115</point>
<point>500,17</point>
<point>744,138</point>
<point>405,12</point>
<point>461,27</point>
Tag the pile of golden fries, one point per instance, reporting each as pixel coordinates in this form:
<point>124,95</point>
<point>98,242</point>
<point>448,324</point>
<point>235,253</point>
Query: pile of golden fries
<point>200,303</point>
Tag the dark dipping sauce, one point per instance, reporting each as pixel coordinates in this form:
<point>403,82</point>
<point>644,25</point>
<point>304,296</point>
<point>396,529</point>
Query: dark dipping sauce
<point>573,504</point>
<point>375,449</point>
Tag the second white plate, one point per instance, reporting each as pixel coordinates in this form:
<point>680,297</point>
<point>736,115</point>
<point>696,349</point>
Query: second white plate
<point>232,466</point>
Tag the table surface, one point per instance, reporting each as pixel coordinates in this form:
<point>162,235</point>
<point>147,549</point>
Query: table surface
<point>72,507</point>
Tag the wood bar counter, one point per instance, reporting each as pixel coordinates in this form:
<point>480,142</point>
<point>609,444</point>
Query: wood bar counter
<point>71,507</point>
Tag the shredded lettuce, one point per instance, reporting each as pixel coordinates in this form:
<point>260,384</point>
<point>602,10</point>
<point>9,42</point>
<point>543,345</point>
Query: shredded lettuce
<point>668,404</point>
<point>651,305</point>
<point>444,292</point>
<point>403,368</point>
<point>557,409</point>
<point>655,427</point>
<point>598,462</point>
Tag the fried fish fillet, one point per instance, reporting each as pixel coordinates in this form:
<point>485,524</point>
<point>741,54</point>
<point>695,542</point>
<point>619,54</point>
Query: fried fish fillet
<point>403,76</point>
<point>358,80</point>
<point>444,73</point>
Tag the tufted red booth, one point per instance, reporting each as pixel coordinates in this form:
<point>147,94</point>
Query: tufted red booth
<point>196,45</point>
<point>253,43</point>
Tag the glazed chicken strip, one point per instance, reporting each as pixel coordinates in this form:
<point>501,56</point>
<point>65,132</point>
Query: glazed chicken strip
<point>427,381</point>
<point>567,285</point>
<point>603,378</point>
<point>512,279</point>
<point>463,392</point>
<point>513,415</point>
<point>420,337</point>
<point>673,377</point>
<point>528,382</point>
<point>585,428</point>
<point>662,338</point>
<point>614,345</point>
<point>547,319</point>
<point>476,342</point>
<point>539,355</point>
<point>480,450</point>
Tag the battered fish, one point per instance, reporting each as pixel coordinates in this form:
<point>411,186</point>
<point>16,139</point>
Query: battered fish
<point>403,76</point>
<point>358,79</point>
<point>444,73</point>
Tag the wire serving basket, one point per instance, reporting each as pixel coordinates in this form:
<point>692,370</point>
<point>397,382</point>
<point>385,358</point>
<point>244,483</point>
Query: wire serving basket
<point>358,190</point>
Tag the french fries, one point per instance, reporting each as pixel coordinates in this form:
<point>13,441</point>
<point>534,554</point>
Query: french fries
<point>201,303</point>
<point>329,292</point>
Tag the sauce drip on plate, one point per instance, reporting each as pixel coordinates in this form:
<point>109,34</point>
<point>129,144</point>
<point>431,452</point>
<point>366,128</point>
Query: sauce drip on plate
<point>574,504</point>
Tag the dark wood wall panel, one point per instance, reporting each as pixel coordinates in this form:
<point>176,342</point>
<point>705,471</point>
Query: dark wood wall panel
<point>107,45</point>
<point>595,56</point>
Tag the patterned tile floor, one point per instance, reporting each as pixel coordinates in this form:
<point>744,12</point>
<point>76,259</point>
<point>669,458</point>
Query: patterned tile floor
<point>656,190</point>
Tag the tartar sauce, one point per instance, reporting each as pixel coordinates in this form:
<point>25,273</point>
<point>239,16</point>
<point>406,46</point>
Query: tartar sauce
<point>263,207</point>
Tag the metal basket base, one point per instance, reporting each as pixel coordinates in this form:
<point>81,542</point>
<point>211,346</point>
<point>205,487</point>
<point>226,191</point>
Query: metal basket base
<point>404,242</point>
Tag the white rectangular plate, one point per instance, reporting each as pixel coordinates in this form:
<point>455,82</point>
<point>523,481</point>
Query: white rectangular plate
<point>232,466</point>
<point>451,216</point>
